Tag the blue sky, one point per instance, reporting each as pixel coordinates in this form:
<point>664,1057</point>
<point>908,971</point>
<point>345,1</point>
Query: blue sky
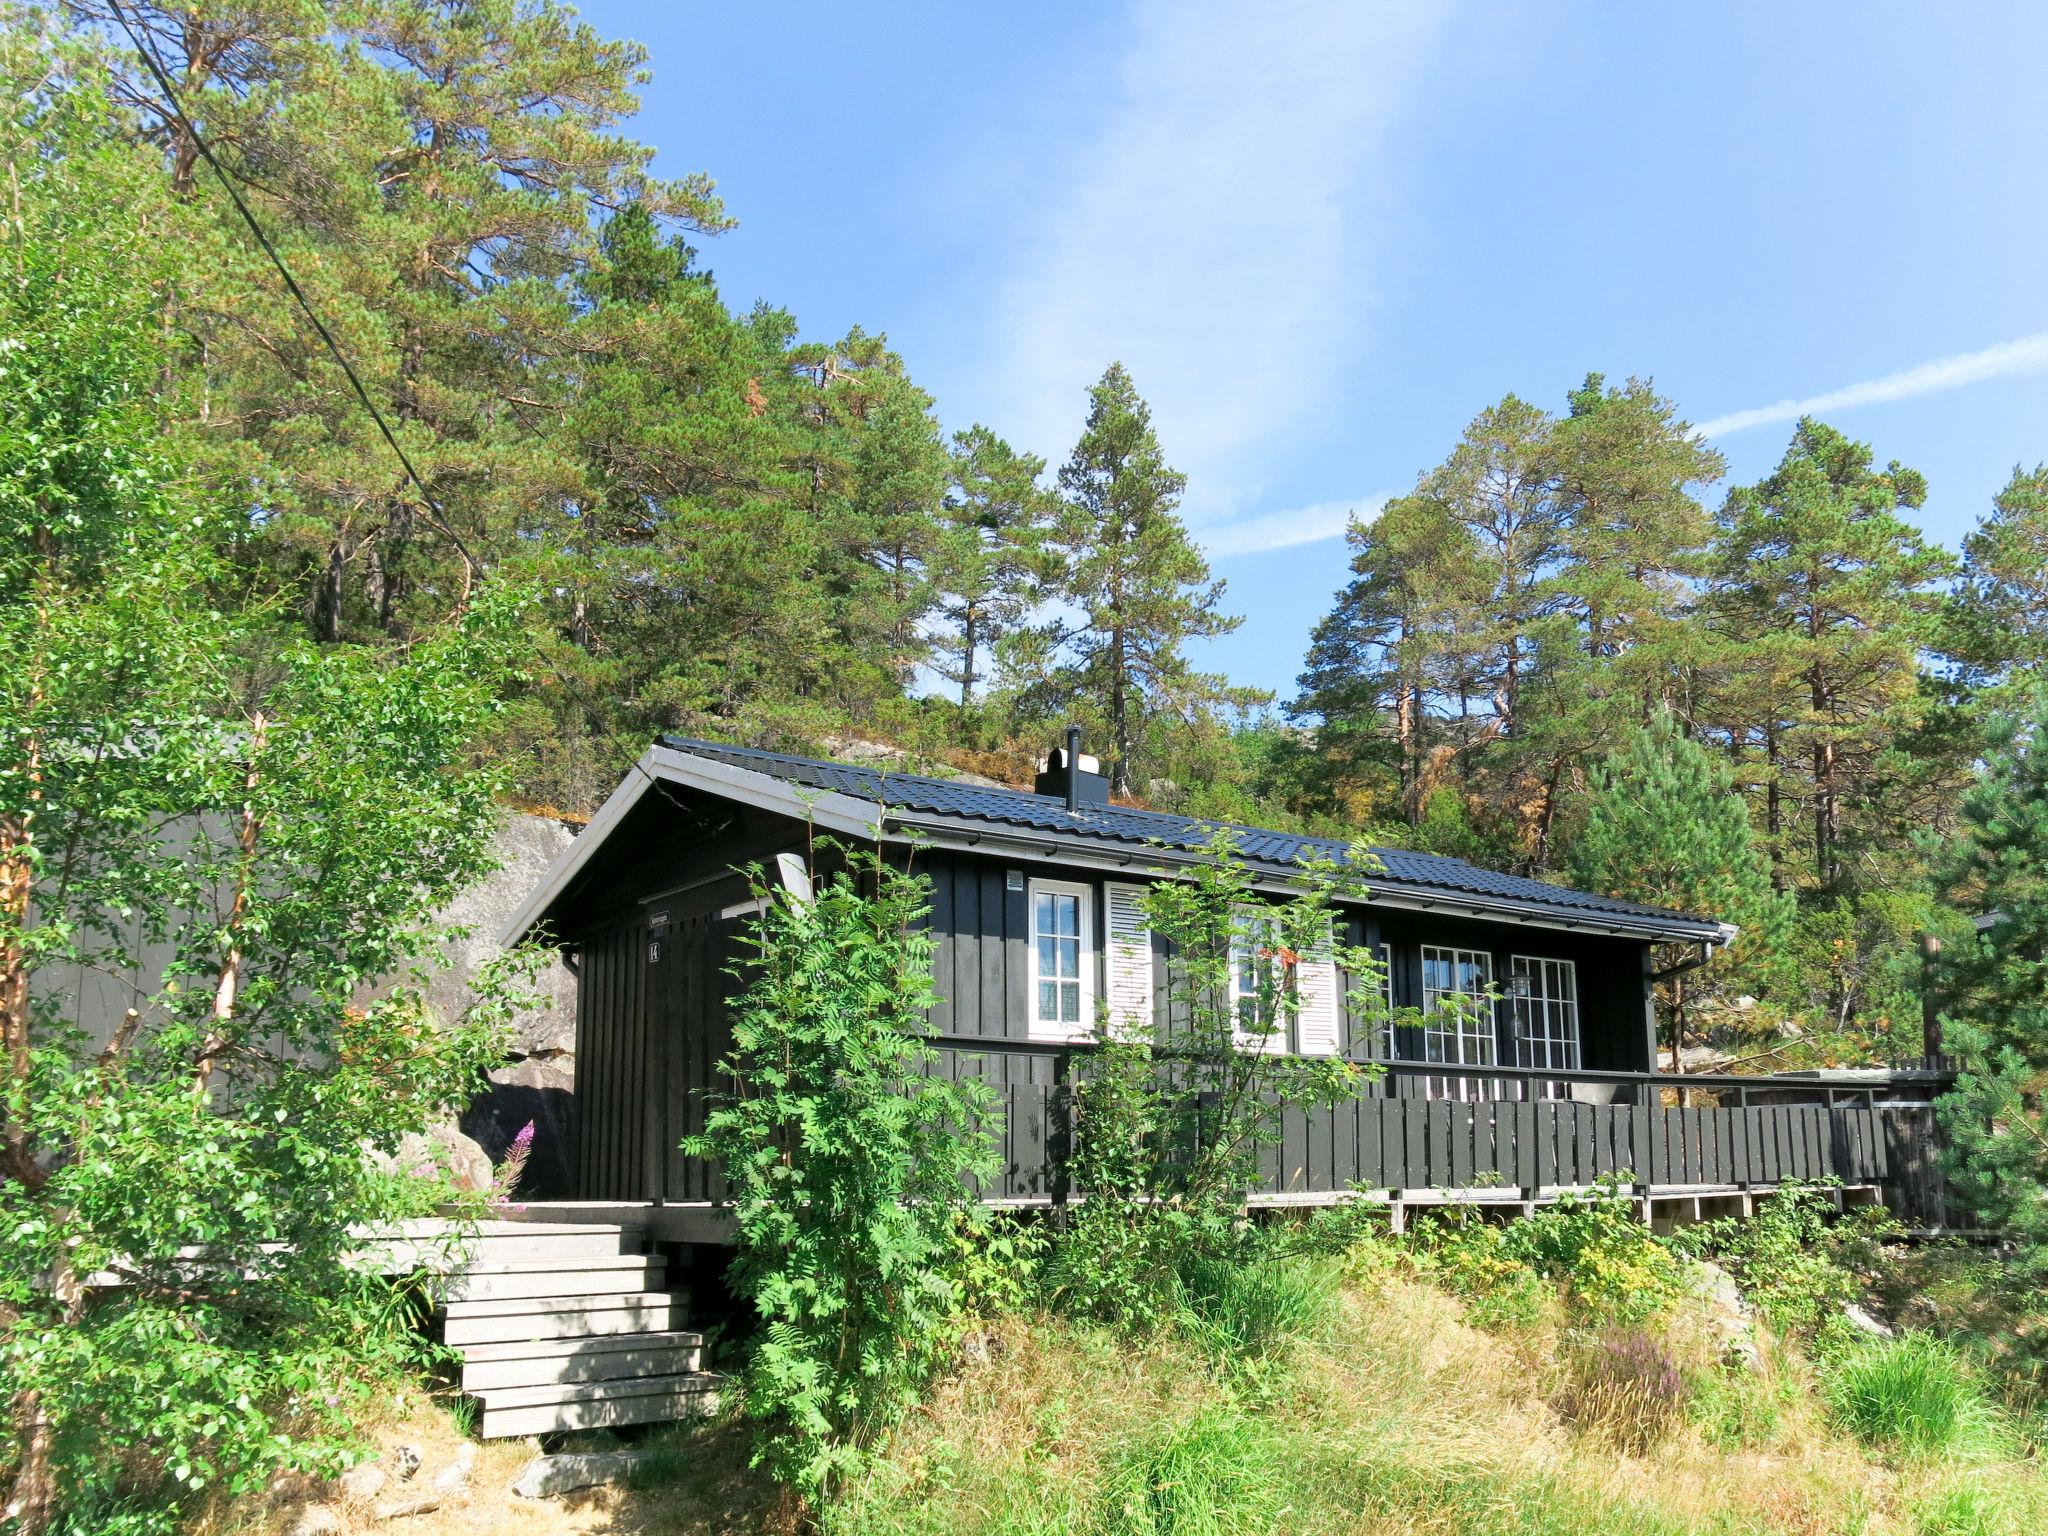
<point>1324,236</point>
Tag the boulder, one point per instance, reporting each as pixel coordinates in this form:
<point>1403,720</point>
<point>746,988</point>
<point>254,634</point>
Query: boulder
<point>1730,1320</point>
<point>406,1508</point>
<point>317,1520</point>
<point>539,1091</point>
<point>444,1150</point>
<point>362,1483</point>
<point>525,846</point>
<point>547,1477</point>
<point>893,759</point>
<point>1865,1322</point>
<point>456,1474</point>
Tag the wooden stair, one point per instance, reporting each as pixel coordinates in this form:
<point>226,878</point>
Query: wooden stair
<point>565,1326</point>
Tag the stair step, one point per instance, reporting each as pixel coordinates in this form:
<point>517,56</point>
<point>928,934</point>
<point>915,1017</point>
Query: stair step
<point>538,1243</point>
<point>687,1397</point>
<point>609,1276</point>
<point>573,1317</point>
<point>595,1391</point>
<point>535,1349</point>
<point>619,1357</point>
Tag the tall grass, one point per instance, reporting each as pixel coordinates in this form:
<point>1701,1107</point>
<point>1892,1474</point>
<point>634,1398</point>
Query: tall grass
<point>1912,1393</point>
<point>1222,1473</point>
<point>1241,1311</point>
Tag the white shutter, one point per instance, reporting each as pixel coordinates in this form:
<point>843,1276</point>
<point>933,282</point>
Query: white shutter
<point>1128,965</point>
<point>1318,1026</point>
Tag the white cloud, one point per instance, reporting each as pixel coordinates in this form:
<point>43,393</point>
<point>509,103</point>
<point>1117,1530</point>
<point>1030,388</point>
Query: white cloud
<point>1218,234</point>
<point>2029,354</point>
<point>1284,530</point>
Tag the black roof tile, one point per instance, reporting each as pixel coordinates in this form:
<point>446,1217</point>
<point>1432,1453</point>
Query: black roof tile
<point>1124,824</point>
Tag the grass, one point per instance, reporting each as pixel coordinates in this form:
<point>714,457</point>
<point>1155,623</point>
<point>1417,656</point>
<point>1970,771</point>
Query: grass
<point>1307,1396</point>
<point>1912,1393</point>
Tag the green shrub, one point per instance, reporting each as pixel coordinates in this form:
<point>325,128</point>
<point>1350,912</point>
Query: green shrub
<point>1912,1393</point>
<point>850,1169</point>
<point>1169,1132</point>
<point>1980,1507</point>
<point>1590,1248</point>
<point>1331,1231</point>
<point>1739,1407</point>
<point>1793,1260</point>
<point>1223,1473</point>
<point>1473,1259</point>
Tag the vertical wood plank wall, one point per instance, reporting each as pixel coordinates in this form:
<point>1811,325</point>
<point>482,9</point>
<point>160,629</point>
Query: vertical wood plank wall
<point>652,1026</point>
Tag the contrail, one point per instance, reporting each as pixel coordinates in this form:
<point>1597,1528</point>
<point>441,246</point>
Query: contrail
<point>2029,354</point>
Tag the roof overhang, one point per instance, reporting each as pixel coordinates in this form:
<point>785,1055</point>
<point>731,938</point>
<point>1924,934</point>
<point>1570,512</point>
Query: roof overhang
<point>852,816</point>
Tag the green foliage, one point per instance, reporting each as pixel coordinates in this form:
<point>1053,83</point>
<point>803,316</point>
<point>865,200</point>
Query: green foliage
<point>1741,1406</point>
<point>1168,1132</point>
<point>850,1167</point>
<point>1793,1261</point>
<point>1997,1129</point>
<point>1912,1393</point>
<point>255,833</point>
<point>1665,826</point>
<point>1590,1248</point>
<point>1247,1308</point>
<point>1221,1473</point>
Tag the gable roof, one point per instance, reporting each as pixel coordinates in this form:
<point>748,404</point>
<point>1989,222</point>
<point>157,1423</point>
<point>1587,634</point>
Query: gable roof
<point>854,799</point>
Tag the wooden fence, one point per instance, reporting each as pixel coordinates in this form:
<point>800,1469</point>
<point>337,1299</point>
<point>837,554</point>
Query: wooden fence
<point>1509,1135</point>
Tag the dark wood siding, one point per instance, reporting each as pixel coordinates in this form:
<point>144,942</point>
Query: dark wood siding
<point>653,1028</point>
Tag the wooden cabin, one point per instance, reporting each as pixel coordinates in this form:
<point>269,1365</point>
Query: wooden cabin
<point>1036,908</point>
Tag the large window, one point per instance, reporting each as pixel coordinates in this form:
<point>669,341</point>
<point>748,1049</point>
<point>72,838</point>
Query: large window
<point>1062,962</point>
<point>1546,994</point>
<point>1457,1025</point>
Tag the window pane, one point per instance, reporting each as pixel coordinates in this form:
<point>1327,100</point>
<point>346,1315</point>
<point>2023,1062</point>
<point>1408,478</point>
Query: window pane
<point>1070,1002</point>
<point>1069,914</point>
<point>1048,1000</point>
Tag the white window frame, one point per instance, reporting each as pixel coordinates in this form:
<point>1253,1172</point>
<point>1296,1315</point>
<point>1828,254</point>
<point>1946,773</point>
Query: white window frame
<point>1475,1045</point>
<point>1054,1030</point>
<point>1547,1029</point>
<point>1383,1042</point>
<point>1244,939</point>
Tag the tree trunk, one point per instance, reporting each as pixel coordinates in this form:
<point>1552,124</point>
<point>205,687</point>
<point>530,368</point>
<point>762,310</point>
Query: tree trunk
<point>228,983</point>
<point>970,647</point>
<point>32,1501</point>
<point>327,596</point>
<point>1119,714</point>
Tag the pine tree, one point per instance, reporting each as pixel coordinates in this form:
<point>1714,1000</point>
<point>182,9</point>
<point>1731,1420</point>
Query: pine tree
<point>991,563</point>
<point>1664,826</point>
<point>429,172</point>
<point>1824,592</point>
<point>1383,663</point>
<point>1998,977</point>
<point>1141,586</point>
<point>1998,620</point>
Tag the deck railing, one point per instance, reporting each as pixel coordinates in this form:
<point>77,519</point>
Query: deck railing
<point>1427,1126</point>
